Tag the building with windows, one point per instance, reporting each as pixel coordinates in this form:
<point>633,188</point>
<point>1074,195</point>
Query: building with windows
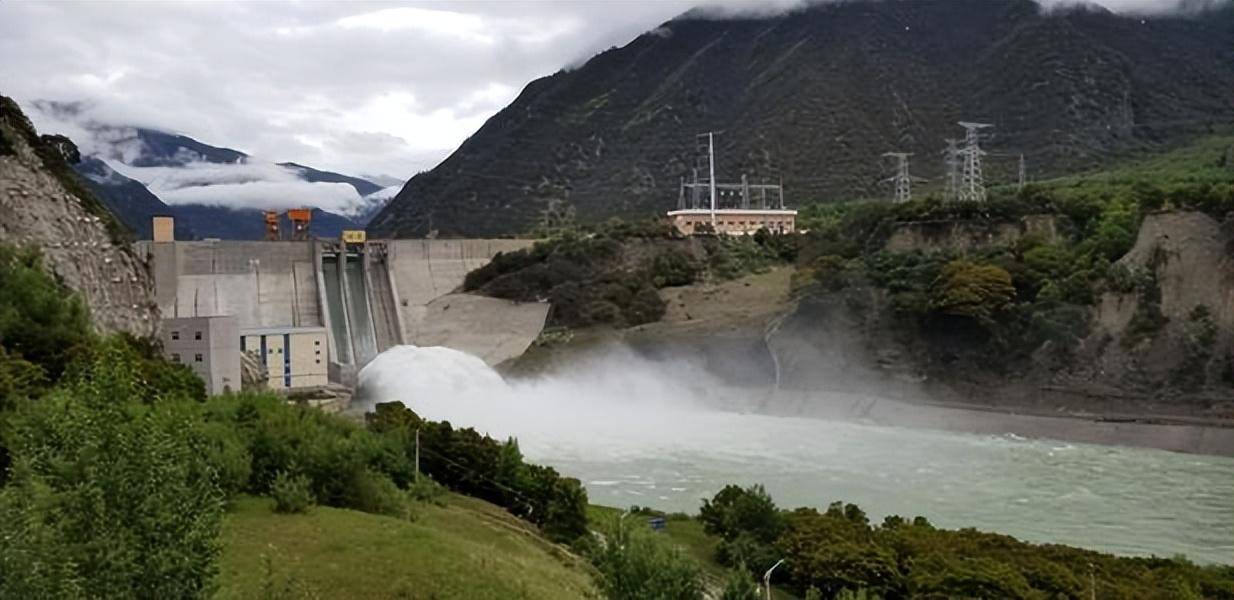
<point>207,345</point>
<point>294,357</point>
<point>733,221</point>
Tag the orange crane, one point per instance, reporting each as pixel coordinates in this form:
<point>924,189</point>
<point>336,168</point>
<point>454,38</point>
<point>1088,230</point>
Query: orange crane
<point>300,218</point>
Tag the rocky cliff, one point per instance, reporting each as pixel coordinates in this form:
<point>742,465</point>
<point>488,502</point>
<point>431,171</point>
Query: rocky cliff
<point>1173,320</point>
<point>42,204</point>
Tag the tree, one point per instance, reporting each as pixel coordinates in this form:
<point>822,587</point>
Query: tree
<point>40,320</point>
<point>114,493</point>
<point>976,291</point>
<point>734,511</point>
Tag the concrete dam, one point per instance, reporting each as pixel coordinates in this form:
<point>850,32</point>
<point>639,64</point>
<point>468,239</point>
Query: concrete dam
<point>368,297</point>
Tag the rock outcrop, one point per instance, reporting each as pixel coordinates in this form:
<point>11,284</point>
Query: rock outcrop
<point>42,205</point>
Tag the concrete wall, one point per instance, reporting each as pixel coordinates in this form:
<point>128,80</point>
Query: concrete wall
<point>263,284</point>
<point>276,284</point>
<point>207,345</point>
<point>425,275</point>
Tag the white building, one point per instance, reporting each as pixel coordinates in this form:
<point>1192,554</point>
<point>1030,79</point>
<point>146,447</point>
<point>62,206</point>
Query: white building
<point>295,357</point>
<point>208,346</point>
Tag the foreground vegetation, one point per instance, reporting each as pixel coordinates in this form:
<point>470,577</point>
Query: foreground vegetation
<point>455,547</point>
<point>839,553</point>
<point>118,471</point>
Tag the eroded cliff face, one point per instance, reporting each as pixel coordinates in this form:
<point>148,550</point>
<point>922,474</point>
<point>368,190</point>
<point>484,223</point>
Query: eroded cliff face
<point>38,209</point>
<point>1173,323</point>
<point>1160,345</point>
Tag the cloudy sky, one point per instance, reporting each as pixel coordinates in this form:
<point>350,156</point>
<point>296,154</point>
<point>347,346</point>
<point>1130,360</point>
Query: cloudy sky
<point>358,87</point>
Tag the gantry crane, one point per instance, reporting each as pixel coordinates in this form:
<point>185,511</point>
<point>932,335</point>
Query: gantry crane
<point>300,218</point>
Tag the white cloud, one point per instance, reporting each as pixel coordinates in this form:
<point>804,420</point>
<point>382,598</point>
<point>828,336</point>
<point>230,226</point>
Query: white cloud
<point>312,82</point>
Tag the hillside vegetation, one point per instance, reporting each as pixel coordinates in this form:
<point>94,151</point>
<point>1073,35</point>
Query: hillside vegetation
<point>814,97</point>
<point>456,547</point>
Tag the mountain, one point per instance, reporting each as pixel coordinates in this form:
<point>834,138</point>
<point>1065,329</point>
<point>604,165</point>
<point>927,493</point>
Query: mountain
<point>139,173</point>
<point>128,199</point>
<point>363,187</point>
<point>814,97</point>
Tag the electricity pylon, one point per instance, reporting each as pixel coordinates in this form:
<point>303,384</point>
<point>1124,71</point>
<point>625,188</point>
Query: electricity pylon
<point>951,170</point>
<point>902,180</point>
<point>972,181</point>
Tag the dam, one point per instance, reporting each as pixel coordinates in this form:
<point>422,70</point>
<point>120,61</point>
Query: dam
<point>368,297</point>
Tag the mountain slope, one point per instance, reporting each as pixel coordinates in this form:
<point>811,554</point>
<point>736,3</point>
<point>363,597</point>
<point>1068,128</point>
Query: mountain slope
<point>45,206</point>
<point>128,199</point>
<point>362,186</point>
<point>816,96</point>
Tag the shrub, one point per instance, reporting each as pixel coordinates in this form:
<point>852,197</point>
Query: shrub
<point>291,493</point>
<point>117,494</point>
<point>40,320</point>
<point>636,565</point>
<point>373,492</point>
<point>976,291</point>
<point>427,491</point>
<point>739,585</point>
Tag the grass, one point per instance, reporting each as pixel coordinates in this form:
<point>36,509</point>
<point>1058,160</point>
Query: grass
<point>465,549</point>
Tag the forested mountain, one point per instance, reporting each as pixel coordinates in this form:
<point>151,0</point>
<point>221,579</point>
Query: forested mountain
<point>814,97</point>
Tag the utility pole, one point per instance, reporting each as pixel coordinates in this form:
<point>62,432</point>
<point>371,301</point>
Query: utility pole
<point>972,183</point>
<point>711,171</point>
<point>902,180</point>
<point>417,455</point>
<point>1023,172</point>
<point>951,168</point>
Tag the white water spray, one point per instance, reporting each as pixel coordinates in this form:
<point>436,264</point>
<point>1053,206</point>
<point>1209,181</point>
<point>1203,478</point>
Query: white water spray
<point>666,434</point>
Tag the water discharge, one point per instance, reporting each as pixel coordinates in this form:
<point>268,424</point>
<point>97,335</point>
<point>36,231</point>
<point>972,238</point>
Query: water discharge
<point>666,434</point>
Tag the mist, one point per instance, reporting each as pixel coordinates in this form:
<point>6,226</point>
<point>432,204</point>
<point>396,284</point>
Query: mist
<point>667,433</point>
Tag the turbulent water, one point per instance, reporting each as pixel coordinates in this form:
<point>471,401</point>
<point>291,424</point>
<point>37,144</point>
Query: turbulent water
<point>666,435</point>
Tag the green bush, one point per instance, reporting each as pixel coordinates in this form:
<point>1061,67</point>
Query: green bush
<point>739,585</point>
<point>40,320</point>
<point>291,493</point>
<point>373,492</point>
<point>479,466</point>
<point>837,553</point>
<point>634,564</point>
<point>427,491</point>
<point>119,497</point>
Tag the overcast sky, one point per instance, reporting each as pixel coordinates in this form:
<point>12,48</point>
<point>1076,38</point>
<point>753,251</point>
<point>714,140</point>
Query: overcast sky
<point>357,87</point>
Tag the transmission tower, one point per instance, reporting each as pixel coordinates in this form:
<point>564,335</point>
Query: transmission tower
<point>902,180</point>
<point>951,169</point>
<point>972,182</point>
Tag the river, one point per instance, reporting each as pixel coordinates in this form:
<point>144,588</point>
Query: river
<point>666,435</point>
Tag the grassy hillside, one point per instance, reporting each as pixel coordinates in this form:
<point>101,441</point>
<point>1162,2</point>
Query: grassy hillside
<point>464,549</point>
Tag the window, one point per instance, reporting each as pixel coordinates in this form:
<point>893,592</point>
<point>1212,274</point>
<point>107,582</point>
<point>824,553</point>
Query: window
<point>175,335</point>
<point>319,353</point>
<point>319,361</point>
<point>197,335</point>
<point>317,342</point>
<point>196,358</point>
<point>175,358</point>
